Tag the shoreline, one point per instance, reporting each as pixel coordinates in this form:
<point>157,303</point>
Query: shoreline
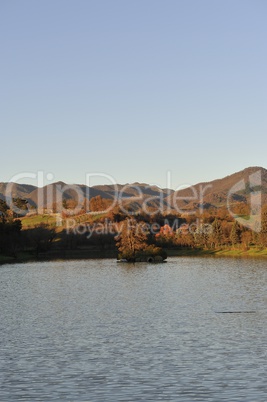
<point>27,256</point>
<point>252,252</point>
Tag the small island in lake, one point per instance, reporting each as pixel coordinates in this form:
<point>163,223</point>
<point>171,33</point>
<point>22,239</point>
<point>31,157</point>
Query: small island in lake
<point>132,243</point>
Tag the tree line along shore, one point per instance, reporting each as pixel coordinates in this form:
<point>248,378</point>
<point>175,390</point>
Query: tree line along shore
<point>132,236</point>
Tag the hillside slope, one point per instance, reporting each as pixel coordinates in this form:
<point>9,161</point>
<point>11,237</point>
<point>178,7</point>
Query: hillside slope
<point>214,194</point>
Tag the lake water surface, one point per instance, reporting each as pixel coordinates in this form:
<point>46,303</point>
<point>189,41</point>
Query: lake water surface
<point>97,330</point>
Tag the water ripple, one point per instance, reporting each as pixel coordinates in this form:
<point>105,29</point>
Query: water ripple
<point>96,331</point>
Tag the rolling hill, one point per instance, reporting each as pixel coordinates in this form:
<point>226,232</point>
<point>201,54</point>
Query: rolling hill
<point>234,188</point>
<point>213,194</point>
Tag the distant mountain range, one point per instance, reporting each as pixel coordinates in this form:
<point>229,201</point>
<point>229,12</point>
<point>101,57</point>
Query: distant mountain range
<point>236,187</point>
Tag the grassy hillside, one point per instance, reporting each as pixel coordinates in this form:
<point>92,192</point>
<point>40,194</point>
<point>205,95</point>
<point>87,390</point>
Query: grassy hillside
<point>220,252</point>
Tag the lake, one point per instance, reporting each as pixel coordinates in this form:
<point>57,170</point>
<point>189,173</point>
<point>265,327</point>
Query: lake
<point>191,329</point>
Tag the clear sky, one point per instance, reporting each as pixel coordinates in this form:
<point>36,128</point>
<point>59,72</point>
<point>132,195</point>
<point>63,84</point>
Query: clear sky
<point>133,88</point>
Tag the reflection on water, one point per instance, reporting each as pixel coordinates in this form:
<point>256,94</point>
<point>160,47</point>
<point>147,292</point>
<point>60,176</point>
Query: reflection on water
<point>102,331</point>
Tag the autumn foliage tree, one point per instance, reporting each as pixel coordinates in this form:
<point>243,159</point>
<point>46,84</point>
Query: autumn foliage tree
<point>217,233</point>
<point>235,235</point>
<point>131,239</point>
<point>263,232</point>
<point>99,204</point>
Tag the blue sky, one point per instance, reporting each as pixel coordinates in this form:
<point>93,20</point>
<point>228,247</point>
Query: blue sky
<point>133,89</point>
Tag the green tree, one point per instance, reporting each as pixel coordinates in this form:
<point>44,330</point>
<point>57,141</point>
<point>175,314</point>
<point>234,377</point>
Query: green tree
<point>41,237</point>
<point>3,210</point>
<point>216,234</point>
<point>10,237</point>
